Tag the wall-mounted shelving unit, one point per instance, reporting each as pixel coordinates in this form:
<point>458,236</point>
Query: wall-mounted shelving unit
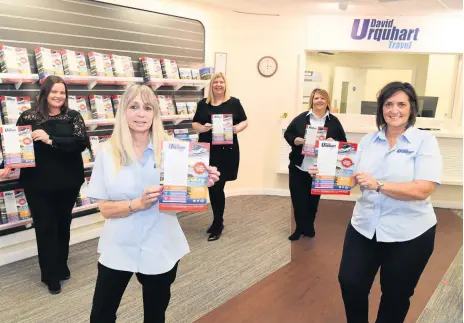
<point>109,35</point>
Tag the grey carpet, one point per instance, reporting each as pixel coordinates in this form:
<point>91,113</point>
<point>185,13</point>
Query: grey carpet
<point>254,244</point>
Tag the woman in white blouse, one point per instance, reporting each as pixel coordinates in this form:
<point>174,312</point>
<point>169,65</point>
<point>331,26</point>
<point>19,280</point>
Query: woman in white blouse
<point>137,237</point>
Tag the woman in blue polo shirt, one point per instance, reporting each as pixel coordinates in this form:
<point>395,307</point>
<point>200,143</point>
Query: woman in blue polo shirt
<point>137,237</point>
<point>393,223</point>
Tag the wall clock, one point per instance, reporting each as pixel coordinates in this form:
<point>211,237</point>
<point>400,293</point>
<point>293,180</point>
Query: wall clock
<point>267,66</point>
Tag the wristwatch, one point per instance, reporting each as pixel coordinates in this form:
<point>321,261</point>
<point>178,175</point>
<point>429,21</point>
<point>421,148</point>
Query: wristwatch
<point>131,210</point>
<point>380,184</point>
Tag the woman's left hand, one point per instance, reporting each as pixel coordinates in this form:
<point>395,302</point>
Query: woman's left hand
<point>40,135</point>
<point>236,129</point>
<point>213,175</point>
<point>365,180</point>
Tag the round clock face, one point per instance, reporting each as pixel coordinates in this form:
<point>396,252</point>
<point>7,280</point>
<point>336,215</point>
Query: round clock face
<point>267,66</point>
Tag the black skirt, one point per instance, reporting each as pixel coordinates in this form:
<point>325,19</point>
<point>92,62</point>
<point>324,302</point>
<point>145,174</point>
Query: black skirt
<point>227,160</point>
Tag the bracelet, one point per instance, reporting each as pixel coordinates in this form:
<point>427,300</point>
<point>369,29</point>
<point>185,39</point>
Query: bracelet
<point>131,210</point>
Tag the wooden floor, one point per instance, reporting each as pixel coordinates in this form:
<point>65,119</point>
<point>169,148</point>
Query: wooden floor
<point>307,290</point>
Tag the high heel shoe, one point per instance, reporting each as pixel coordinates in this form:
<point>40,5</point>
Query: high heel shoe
<point>295,236</point>
<point>215,233</point>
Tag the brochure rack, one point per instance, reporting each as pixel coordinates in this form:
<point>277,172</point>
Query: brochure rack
<point>179,89</point>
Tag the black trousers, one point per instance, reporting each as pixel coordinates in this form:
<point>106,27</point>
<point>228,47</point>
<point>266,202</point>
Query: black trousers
<point>218,202</point>
<point>304,203</point>
<point>51,211</point>
<point>401,265</point>
<point>111,285</point>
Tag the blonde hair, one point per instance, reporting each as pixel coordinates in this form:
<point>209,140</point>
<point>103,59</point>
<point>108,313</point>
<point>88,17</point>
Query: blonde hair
<point>121,140</point>
<point>215,76</point>
<point>323,93</point>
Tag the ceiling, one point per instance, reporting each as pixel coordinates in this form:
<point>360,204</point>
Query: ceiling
<point>331,7</point>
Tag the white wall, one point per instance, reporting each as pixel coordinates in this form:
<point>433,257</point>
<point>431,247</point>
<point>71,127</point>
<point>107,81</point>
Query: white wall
<point>246,38</point>
<point>441,82</point>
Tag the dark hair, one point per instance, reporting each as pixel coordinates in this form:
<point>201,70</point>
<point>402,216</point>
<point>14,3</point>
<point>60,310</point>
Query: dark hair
<point>389,90</point>
<point>42,109</point>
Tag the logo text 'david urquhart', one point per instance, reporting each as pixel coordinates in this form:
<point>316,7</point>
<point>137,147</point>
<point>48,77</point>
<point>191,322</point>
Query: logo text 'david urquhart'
<point>384,30</point>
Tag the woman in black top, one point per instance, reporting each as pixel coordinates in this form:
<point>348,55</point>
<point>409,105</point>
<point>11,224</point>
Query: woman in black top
<point>304,203</point>
<point>225,157</point>
<point>52,187</point>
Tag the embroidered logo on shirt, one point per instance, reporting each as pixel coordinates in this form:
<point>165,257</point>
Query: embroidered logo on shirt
<point>405,151</point>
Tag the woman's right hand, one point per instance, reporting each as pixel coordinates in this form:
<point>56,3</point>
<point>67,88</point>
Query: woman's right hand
<point>313,170</point>
<point>207,127</point>
<point>149,197</point>
<point>299,141</point>
<point>4,173</point>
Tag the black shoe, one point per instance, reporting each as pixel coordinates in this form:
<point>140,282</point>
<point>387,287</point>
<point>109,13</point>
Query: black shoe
<point>66,277</point>
<point>215,233</point>
<point>310,233</point>
<point>54,287</point>
<point>295,236</point>
<point>209,229</point>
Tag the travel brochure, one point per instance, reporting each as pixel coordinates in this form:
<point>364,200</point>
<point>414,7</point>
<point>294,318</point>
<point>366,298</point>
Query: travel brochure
<point>312,135</point>
<point>223,129</point>
<point>13,206</point>
<point>184,176</point>
<point>336,166</point>
<point>17,146</point>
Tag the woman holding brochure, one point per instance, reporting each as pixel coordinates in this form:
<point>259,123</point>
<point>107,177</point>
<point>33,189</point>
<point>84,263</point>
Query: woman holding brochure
<point>222,135</point>
<point>52,186</point>
<point>393,224</point>
<point>304,203</point>
<point>137,237</point>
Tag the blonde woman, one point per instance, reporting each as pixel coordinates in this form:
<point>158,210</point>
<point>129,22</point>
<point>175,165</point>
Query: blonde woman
<point>136,238</point>
<point>225,157</point>
<point>304,203</point>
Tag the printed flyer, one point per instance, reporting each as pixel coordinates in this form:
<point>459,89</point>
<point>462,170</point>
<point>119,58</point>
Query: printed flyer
<point>17,146</point>
<point>223,129</point>
<point>336,166</point>
<point>312,135</point>
<point>184,175</point>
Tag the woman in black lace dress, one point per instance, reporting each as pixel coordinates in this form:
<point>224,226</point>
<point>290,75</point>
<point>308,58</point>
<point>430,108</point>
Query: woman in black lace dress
<point>52,186</point>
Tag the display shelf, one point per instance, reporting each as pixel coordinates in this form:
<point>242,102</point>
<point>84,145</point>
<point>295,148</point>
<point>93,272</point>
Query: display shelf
<point>113,81</point>
<point>95,123</point>
<point>177,84</point>
<point>100,122</point>
<point>18,79</point>
<point>91,81</point>
<point>26,223</point>
<point>176,119</point>
<point>85,207</point>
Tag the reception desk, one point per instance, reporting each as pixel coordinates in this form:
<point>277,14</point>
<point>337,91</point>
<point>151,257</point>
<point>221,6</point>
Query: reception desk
<point>447,195</point>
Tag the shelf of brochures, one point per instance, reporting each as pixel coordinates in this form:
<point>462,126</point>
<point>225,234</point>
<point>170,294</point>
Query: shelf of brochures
<point>6,226</point>
<point>91,81</point>
<point>178,84</point>
<point>85,207</point>
<point>176,119</point>
<point>94,123</point>
<point>18,79</point>
<point>28,222</point>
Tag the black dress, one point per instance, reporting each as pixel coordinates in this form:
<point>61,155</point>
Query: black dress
<point>51,188</point>
<point>59,166</point>
<point>225,157</point>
